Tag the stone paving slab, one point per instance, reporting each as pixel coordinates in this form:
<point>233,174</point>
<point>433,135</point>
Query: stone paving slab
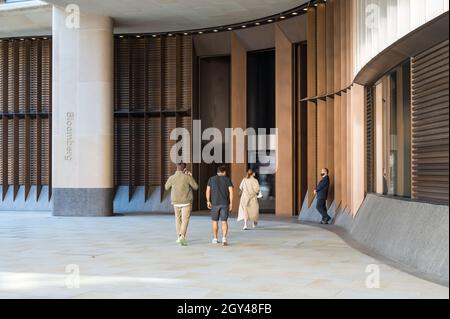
<point>137,257</point>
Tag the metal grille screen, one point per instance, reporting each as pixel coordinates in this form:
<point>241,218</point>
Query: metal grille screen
<point>370,140</point>
<point>25,114</point>
<point>153,95</point>
<point>430,135</point>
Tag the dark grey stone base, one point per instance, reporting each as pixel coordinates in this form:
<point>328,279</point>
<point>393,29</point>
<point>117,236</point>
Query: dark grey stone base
<point>31,203</point>
<point>83,202</point>
<point>414,235</point>
<point>139,203</point>
<point>311,214</point>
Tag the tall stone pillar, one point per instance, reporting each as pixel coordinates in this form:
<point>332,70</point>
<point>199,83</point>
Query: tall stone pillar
<point>82,133</point>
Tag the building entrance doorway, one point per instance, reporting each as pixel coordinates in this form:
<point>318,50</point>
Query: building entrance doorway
<point>214,111</point>
<point>261,115</point>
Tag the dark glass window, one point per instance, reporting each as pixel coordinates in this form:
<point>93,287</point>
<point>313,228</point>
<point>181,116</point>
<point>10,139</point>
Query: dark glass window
<point>394,152</point>
<point>261,115</point>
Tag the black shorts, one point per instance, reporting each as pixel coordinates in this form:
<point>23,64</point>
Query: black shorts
<point>220,212</point>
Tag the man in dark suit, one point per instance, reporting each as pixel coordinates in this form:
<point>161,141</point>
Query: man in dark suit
<point>321,193</point>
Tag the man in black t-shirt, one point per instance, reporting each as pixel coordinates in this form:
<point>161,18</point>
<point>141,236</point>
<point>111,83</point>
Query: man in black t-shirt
<point>219,197</point>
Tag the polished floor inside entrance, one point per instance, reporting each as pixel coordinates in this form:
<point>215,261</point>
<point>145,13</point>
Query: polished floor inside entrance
<point>137,257</point>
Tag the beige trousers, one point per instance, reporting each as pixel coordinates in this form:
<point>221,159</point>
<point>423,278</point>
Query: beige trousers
<point>182,215</point>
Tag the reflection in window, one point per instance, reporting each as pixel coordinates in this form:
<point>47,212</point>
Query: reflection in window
<point>261,115</point>
<point>394,90</point>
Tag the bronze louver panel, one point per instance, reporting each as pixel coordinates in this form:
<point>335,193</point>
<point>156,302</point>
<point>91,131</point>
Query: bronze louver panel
<point>25,113</point>
<point>122,150</point>
<point>12,63</point>
<point>138,72</point>
<point>370,140</point>
<point>153,87</point>
<point>46,76</point>
<point>45,151</point>
<point>430,125</point>
<point>10,140</point>
<point>33,151</point>
<point>138,155</point>
<point>3,120</point>
<point>21,152</point>
<point>186,122</point>
<point>154,150</point>
<point>154,75</point>
<point>34,78</point>
<point>169,124</point>
<point>22,77</point>
<point>169,70</point>
<point>122,74</point>
<point>2,151</point>
<point>186,74</point>
<point>3,77</point>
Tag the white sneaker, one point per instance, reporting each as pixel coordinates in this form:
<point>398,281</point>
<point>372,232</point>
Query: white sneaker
<point>245,228</point>
<point>255,224</point>
<point>178,240</point>
<point>224,242</point>
<point>215,241</point>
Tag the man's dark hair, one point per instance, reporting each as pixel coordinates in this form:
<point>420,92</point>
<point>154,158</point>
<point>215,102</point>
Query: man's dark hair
<point>181,166</point>
<point>221,169</point>
<point>327,170</point>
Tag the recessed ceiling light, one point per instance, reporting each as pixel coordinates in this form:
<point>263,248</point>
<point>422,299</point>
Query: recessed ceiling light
<point>121,36</point>
<point>244,26</point>
<point>229,29</point>
<point>294,13</point>
<point>282,17</point>
<point>33,39</point>
<point>305,9</point>
<point>170,34</point>
<point>138,36</point>
<point>257,23</point>
<point>200,32</point>
<point>154,35</point>
<point>270,20</point>
<point>185,33</point>
<point>45,38</point>
<point>216,30</point>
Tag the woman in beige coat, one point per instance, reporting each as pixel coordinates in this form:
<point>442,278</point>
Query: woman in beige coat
<point>249,207</point>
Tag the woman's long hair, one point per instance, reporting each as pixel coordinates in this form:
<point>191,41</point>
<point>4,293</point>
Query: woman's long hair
<point>250,173</point>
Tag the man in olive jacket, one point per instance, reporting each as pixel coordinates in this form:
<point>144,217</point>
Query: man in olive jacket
<point>181,185</point>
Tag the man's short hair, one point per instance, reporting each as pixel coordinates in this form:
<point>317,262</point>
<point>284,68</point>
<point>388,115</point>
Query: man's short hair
<point>221,169</point>
<point>181,166</point>
<point>327,170</point>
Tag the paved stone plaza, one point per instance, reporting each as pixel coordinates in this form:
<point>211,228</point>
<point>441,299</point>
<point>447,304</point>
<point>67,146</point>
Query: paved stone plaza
<point>137,257</point>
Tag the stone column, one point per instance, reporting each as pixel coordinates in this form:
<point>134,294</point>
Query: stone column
<point>83,120</point>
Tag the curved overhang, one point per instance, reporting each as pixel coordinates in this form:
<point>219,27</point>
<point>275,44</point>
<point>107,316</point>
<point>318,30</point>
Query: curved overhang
<point>22,19</point>
<point>34,18</point>
<point>422,38</point>
<point>157,16</point>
